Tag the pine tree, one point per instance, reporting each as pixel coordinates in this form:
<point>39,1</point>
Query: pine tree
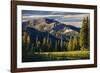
<point>24,38</point>
<point>75,44</point>
<point>44,43</point>
<point>66,46</point>
<point>33,49</point>
<point>61,44</point>
<point>38,46</point>
<point>48,43</point>
<point>36,40</point>
<point>56,45</point>
<point>70,44</point>
<point>25,43</point>
<point>88,22</point>
<point>84,35</point>
<point>58,48</point>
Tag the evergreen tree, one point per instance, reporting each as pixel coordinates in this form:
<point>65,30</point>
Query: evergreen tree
<point>58,48</point>
<point>36,40</point>
<point>70,44</point>
<point>44,43</point>
<point>48,43</point>
<point>56,45</point>
<point>84,35</point>
<point>33,49</point>
<point>65,46</point>
<point>75,43</point>
<point>38,46</point>
<point>61,44</point>
<point>25,43</point>
<point>88,22</point>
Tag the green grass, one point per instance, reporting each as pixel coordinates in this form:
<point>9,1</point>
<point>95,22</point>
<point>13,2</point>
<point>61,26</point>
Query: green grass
<point>72,55</point>
<point>56,56</point>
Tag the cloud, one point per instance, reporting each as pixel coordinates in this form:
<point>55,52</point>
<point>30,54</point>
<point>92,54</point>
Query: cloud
<point>41,16</point>
<point>68,18</point>
<point>35,12</point>
<point>76,16</point>
<point>76,24</point>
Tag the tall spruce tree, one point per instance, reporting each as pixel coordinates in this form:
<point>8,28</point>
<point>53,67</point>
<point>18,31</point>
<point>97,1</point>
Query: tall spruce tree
<point>88,22</point>
<point>84,35</point>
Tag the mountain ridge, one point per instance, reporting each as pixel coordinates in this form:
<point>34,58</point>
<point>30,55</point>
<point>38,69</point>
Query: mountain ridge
<point>52,27</point>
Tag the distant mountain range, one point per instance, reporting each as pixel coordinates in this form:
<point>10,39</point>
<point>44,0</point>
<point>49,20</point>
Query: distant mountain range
<point>44,27</point>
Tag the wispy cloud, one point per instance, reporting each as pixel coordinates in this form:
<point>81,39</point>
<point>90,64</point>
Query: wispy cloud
<point>31,12</point>
<point>41,16</point>
<point>64,17</point>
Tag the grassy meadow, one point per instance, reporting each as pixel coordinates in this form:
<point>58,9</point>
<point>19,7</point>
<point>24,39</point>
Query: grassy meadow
<point>56,56</point>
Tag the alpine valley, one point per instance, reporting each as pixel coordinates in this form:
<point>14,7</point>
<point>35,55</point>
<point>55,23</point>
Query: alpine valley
<point>46,39</point>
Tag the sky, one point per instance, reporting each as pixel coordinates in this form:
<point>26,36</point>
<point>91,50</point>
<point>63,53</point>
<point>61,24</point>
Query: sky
<point>68,18</point>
